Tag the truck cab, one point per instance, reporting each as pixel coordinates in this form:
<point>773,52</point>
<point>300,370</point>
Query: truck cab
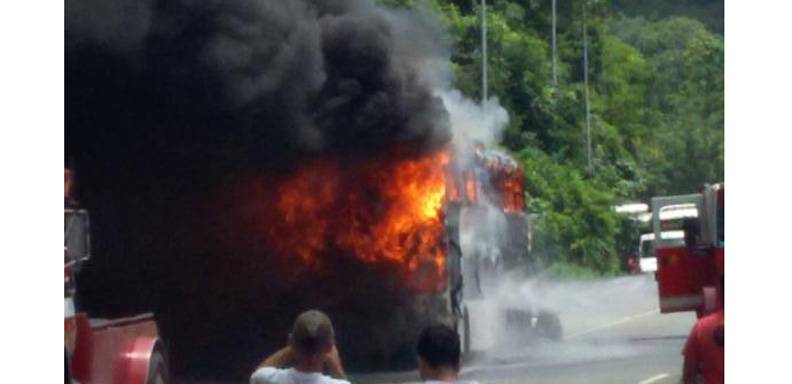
<point>689,272</point>
<point>103,351</point>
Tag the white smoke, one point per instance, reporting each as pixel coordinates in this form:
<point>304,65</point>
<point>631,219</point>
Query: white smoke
<point>472,121</point>
<point>425,44</point>
<point>600,318</point>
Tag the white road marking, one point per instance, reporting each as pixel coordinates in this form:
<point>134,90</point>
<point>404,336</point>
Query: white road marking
<point>654,378</point>
<point>613,324</point>
<point>480,368</point>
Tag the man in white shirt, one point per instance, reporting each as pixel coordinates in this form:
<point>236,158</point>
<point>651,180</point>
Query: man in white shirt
<point>311,351</point>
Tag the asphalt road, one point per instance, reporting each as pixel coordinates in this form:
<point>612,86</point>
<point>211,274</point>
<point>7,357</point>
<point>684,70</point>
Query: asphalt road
<point>613,334</point>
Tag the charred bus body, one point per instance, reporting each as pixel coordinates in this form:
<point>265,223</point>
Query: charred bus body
<point>488,234</point>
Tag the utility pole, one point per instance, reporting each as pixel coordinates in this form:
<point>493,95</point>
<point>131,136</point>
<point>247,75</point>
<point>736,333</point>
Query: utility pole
<point>554,64</point>
<point>585,81</point>
<point>555,76</point>
<point>483,52</point>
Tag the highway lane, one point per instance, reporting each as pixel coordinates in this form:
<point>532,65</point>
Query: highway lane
<point>642,349</point>
<point>613,334</point>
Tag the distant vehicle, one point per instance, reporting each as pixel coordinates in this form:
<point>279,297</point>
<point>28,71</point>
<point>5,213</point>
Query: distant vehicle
<point>647,259</point>
<point>103,351</point>
<point>639,217</point>
<point>688,274</point>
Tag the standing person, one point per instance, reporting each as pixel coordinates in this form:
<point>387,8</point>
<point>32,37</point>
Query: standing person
<point>704,348</point>
<point>310,353</point>
<point>438,354</point>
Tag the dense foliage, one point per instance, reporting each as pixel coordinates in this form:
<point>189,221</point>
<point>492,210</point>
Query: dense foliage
<point>656,92</point>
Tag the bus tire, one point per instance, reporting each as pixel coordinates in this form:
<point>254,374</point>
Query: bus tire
<point>158,368</point>
<point>549,326</point>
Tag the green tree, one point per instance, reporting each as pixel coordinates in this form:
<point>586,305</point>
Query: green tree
<point>575,217</point>
<point>686,63</point>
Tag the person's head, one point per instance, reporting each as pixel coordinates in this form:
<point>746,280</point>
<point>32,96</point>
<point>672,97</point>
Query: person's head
<point>438,353</point>
<point>312,335</point>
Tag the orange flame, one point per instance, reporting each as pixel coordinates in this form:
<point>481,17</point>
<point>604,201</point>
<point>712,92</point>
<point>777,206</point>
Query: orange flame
<point>510,184</point>
<point>380,211</point>
<point>471,186</point>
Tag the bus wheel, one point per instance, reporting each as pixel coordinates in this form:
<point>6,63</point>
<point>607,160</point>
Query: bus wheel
<point>549,326</point>
<point>158,368</point>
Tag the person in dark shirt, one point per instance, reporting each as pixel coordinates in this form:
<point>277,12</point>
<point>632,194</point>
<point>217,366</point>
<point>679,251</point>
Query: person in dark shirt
<point>439,354</point>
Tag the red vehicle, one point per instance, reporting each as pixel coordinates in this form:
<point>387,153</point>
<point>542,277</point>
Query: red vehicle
<point>101,351</point>
<point>688,275</point>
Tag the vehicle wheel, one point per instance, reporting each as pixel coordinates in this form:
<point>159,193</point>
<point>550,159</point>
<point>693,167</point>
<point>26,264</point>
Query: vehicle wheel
<point>158,368</point>
<point>465,332</point>
<point>548,325</point>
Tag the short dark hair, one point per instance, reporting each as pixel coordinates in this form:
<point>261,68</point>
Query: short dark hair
<point>438,346</point>
<point>312,331</point>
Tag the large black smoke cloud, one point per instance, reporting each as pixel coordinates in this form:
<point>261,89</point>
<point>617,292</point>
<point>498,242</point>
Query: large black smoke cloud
<point>170,102</point>
<point>246,78</point>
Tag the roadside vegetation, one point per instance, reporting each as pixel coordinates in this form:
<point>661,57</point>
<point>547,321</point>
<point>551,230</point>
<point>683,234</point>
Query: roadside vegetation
<point>656,95</point>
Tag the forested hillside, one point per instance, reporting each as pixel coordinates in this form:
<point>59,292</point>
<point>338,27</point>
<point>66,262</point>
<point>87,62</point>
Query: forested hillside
<point>656,91</point>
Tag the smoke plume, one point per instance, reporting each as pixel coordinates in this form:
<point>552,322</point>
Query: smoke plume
<point>182,119</point>
<point>173,107</point>
<point>247,81</point>
<point>184,116</point>
<point>474,122</point>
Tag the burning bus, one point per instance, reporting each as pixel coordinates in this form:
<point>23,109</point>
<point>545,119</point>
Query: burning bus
<point>431,235</point>
<point>311,175</point>
<point>485,204</point>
